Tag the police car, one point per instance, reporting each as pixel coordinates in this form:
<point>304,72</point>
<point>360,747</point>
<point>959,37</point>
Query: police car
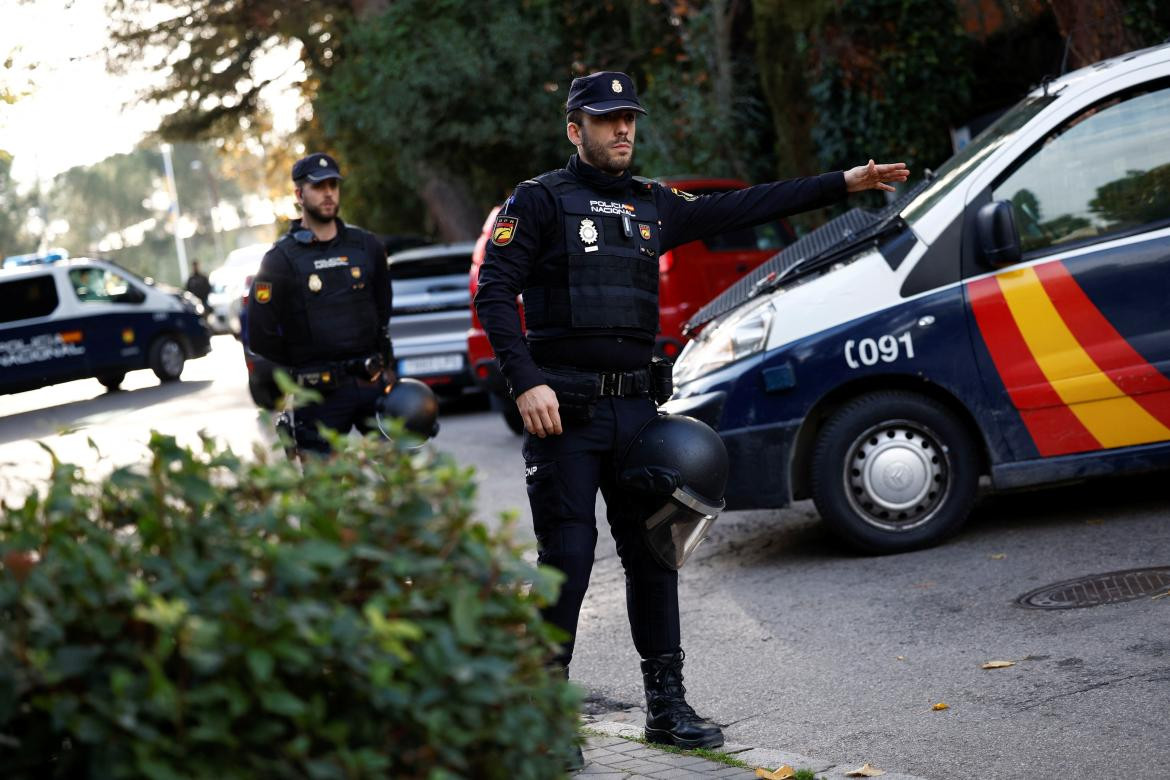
<point>79,318</point>
<point>1008,317</point>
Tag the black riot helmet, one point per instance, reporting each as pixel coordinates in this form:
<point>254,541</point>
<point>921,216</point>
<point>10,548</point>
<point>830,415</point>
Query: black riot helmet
<point>685,462</point>
<point>412,402</point>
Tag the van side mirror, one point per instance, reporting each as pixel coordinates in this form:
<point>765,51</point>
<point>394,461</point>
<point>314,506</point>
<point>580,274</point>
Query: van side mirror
<point>996,235</point>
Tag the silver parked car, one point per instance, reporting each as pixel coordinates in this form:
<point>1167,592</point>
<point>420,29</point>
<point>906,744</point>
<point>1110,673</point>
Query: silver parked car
<point>432,314</point>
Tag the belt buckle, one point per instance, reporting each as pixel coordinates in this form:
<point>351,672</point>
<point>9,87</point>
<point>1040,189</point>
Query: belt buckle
<point>612,384</point>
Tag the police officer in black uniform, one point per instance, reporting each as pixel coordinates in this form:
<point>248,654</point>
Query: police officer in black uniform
<point>320,306</point>
<point>582,245</point>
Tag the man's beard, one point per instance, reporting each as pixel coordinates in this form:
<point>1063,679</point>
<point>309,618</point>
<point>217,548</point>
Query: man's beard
<point>317,214</point>
<point>603,159</point>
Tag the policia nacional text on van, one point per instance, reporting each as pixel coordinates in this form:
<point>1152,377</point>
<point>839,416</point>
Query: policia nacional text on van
<point>582,244</point>
<point>320,306</point>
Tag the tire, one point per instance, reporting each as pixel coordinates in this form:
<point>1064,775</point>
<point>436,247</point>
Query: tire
<point>507,407</point>
<point>112,380</point>
<point>167,358</point>
<point>264,393</point>
<point>930,471</point>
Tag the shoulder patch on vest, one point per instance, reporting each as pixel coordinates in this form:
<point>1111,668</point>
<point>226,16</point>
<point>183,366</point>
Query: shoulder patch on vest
<point>263,292</point>
<point>504,230</point>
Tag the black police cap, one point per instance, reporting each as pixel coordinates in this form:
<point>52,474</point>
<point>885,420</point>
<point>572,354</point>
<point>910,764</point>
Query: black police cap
<point>316,167</point>
<point>600,93</point>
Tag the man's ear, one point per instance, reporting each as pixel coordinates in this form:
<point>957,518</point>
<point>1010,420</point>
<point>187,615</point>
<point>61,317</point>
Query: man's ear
<point>573,132</point>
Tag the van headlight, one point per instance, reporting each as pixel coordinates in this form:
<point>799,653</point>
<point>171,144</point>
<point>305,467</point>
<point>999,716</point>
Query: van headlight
<point>740,335</point>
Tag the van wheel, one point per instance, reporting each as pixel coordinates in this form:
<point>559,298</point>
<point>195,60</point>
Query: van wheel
<point>894,471</point>
<point>112,381</point>
<point>166,358</point>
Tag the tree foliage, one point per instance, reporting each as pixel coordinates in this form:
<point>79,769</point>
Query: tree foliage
<point>890,78</point>
<point>203,616</point>
<point>14,207</point>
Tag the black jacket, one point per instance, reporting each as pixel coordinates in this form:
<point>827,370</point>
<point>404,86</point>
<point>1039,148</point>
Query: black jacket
<point>314,301</point>
<point>683,217</point>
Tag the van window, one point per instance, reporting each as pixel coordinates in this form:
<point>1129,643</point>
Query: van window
<point>23,299</point>
<point>427,265</point>
<point>1105,171</point>
<point>98,285</point>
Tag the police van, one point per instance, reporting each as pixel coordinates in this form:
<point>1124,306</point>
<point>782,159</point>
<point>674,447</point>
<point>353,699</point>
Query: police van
<point>80,318</point>
<point>1008,317</point>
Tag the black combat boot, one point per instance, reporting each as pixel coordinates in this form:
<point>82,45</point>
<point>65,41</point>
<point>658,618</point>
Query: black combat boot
<point>669,719</point>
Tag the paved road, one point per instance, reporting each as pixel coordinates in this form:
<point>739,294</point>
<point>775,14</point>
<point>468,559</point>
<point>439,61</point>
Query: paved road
<point>793,643</point>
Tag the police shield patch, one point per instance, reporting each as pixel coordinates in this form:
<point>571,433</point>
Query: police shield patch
<point>263,292</point>
<point>504,230</point>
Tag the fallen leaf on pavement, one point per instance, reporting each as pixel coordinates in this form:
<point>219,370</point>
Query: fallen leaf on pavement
<point>901,658</point>
<point>998,556</point>
<point>997,664</point>
<point>782,773</point>
<point>942,705</point>
<point>865,770</point>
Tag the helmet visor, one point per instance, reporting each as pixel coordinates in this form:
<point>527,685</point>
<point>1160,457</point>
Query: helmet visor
<point>678,527</point>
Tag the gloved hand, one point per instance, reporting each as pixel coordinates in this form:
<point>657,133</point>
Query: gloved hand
<point>389,377</point>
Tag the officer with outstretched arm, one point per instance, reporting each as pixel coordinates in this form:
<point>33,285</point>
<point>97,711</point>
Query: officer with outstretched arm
<point>581,244</point>
<point>320,307</point>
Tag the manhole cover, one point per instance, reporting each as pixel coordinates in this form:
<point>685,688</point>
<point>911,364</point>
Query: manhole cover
<point>1099,589</point>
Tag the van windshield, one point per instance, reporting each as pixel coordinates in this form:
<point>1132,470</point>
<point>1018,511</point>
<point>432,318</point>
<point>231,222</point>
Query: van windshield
<point>955,170</point>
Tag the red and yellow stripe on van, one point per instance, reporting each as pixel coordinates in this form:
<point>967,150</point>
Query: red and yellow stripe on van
<point>1076,382</point>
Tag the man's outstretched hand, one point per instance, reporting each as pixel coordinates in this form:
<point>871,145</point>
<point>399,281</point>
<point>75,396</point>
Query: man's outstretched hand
<point>875,177</point>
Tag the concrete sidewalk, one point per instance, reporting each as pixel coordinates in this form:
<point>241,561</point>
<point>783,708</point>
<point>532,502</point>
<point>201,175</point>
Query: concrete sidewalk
<point>611,754</point>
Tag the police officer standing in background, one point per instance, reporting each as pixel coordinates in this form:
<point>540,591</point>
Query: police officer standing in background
<point>582,244</point>
<point>320,307</point>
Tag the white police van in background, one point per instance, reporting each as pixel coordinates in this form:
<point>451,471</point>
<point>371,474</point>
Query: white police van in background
<point>68,319</point>
<point>1008,317</point>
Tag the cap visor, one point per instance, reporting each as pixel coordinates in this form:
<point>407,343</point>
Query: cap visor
<point>323,175</point>
<point>605,107</point>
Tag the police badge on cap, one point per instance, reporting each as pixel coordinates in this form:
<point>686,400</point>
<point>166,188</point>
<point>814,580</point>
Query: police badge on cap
<point>600,93</point>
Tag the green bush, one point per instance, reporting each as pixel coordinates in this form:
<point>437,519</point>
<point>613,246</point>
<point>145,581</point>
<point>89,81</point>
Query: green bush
<point>204,616</point>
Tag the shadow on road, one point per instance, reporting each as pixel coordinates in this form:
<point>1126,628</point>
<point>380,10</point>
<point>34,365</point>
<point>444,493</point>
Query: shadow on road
<point>49,420</point>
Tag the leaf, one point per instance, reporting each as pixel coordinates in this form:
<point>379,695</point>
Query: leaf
<point>998,556</point>
<point>782,773</point>
<point>942,705</point>
<point>282,703</point>
<point>866,770</point>
<point>997,664</point>
<point>261,663</point>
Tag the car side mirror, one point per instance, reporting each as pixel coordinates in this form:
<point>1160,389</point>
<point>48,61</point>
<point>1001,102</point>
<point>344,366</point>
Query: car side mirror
<point>996,235</point>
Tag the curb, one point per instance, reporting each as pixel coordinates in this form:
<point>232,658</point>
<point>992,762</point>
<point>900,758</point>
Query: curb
<point>754,757</point>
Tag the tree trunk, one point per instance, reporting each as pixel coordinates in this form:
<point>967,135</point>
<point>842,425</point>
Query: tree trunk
<point>785,87</point>
<point>722,18</point>
<point>1092,29</point>
<point>449,203</point>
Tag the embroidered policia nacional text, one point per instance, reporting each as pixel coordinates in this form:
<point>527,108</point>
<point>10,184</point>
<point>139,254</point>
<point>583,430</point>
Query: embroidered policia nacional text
<point>504,230</point>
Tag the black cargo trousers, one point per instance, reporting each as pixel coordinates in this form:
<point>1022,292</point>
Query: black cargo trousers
<point>563,474</point>
<point>352,403</point>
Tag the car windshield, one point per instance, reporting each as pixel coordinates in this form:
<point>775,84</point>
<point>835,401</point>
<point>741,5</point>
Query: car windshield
<point>955,170</point>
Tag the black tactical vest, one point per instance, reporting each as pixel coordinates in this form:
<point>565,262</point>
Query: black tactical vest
<point>337,312</point>
<point>603,279</point>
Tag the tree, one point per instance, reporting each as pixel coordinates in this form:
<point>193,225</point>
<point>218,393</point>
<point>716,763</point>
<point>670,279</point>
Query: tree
<point>13,208</point>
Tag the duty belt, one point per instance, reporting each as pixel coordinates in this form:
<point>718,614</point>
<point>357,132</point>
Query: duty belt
<point>621,384</point>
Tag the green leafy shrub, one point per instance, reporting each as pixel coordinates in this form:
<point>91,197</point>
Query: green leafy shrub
<point>203,616</point>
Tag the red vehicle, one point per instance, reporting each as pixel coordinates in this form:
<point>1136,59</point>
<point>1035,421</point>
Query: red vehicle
<point>688,277</point>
